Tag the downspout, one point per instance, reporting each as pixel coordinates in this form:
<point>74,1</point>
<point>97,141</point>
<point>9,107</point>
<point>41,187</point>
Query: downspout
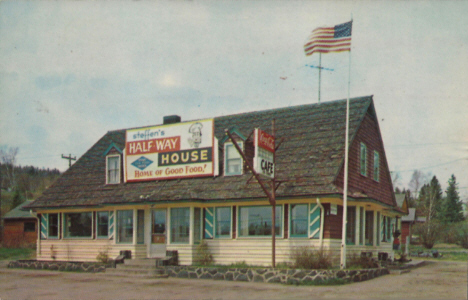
<point>38,243</point>
<point>322,214</point>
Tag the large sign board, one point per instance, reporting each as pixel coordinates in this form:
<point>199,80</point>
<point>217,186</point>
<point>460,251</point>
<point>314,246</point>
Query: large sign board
<point>264,153</point>
<point>170,151</point>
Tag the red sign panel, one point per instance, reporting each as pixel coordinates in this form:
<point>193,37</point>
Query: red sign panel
<point>266,141</point>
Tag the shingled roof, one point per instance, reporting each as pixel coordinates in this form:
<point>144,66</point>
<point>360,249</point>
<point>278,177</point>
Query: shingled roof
<point>308,161</point>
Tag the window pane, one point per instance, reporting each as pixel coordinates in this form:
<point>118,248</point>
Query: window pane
<point>351,225</point>
<point>196,225</point>
<point>369,228</point>
<point>363,158</point>
<point>223,222</point>
<point>180,225</point>
<point>140,226</point>
<point>78,224</point>
<point>361,225</point>
<point>159,221</point>
<point>113,169</point>
<point>53,225</point>
<point>233,160</point>
<point>376,166</point>
<point>299,222</point>
<point>256,220</point>
<point>125,226</point>
<point>29,227</point>
<point>102,223</point>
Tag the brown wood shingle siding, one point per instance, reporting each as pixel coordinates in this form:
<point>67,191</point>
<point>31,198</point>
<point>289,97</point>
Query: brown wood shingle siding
<point>381,190</point>
<point>332,224</point>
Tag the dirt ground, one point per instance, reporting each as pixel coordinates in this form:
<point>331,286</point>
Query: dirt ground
<point>436,280</point>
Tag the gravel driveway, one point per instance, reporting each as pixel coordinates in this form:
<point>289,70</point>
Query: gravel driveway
<point>436,280</point>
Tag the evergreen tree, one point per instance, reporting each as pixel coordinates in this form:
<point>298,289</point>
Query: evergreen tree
<point>452,210</point>
<point>17,199</point>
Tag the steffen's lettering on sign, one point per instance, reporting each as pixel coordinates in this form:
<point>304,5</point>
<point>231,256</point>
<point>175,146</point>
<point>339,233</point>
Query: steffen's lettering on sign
<point>170,151</point>
<point>264,153</point>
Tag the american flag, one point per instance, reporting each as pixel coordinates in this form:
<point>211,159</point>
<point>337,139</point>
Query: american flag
<point>329,39</point>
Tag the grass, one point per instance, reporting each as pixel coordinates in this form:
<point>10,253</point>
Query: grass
<point>16,253</point>
<point>451,252</point>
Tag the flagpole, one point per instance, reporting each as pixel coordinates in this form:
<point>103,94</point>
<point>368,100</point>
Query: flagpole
<point>320,75</point>
<point>345,188</point>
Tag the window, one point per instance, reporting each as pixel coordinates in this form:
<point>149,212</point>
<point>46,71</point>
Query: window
<point>29,227</point>
<point>180,225</point>
<point>378,228</point>
<point>363,159</point>
<point>223,222</point>
<point>102,227</point>
<point>125,226</point>
<point>351,225</point>
<point>78,225</point>
<point>361,225</point>
<point>256,221</point>
<point>197,224</point>
<point>140,226</point>
<point>298,217</point>
<point>113,169</point>
<point>53,226</point>
<point>389,229</point>
<point>232,159</point>
<point>384,229</point>
<point>376,166</point>
<point>369,228</point>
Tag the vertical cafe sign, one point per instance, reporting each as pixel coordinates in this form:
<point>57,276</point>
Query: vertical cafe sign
<point>264,150</point>
<point>170,151</point>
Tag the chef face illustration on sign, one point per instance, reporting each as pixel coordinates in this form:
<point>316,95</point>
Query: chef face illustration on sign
<point>196,138</point>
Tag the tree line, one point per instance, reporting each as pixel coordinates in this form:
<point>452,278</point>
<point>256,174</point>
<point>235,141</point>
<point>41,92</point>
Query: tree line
<point>443,213</point>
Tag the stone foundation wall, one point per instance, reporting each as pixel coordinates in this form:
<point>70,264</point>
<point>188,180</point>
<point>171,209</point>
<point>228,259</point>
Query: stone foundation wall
<point>59,266</point>
<point>290,276</point>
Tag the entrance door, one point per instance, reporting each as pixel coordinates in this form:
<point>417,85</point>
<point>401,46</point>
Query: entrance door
<point>158,233</point>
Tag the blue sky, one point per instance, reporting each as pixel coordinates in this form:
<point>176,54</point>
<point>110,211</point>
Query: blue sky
<point>72,70</point>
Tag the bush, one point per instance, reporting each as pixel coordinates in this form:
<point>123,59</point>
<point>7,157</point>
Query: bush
<point>307,258</point>
<point>361,262</point>
<point>103,257</point>
<point>461,234</point>
<point>203,255</point>
<point>429,233</point>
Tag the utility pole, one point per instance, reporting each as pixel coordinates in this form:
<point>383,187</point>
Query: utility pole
<point>70,158</point>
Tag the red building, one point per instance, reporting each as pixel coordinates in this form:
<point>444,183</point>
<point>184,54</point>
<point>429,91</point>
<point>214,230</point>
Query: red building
<point>19,227</point>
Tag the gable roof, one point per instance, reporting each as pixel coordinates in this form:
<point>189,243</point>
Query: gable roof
<point>20,212</point>
<point>402,202</point>
<point>308,161</point>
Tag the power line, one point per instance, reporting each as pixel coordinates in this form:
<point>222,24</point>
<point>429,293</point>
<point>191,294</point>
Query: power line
<point>442,164</point>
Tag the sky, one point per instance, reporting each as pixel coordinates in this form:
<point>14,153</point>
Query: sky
<point>72,70</point>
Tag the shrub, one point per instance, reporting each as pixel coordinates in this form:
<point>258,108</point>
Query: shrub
<point>307,258</point>
<point>203,254</point>
<point>103,257</point>
<point>361,262</point>
<point>429,233</point>
<point>461,234</point>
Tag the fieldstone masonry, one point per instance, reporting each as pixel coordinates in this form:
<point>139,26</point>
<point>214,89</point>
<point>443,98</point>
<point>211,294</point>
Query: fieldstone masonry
<point>291,276</point>
<point>59,266</point>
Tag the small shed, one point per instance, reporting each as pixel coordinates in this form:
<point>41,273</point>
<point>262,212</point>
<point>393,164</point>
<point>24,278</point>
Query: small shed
<point>407,223</point>
<point>19,227</point>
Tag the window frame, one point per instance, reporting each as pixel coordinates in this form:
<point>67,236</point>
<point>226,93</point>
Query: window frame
<point>369,228</point>
<point>226,158</point>
<point>216,224</point>
<point>351,216</point>
<point>363,159</point>
<point>118,170</point>
<point>118,226</point>
<point>49,226</point>
<point>376,169</point>
<point>98,223</point>
<point>281,221</point>
<point>296,235</point>
<point>66,226</point>
<point>28,228</point>
<point>171,220</point>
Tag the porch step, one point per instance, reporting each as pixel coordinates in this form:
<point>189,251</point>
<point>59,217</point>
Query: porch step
<point>143,268</point>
